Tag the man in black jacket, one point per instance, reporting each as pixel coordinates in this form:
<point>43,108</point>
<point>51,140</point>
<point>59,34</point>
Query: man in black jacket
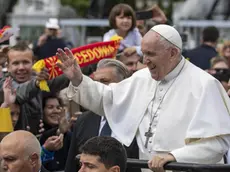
<point>89,125</point>
<point>28,94</point>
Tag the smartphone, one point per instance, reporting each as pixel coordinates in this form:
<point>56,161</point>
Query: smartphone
<point>144,15</point>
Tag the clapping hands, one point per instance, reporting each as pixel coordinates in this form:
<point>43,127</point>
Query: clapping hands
<point>9,93</point>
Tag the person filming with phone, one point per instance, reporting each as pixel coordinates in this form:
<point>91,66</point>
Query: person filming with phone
<point>47,44</point>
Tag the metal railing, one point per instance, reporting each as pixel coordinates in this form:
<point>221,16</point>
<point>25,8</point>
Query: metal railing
<point>82,23</point>
<point>176,166</point>
<point>195,28</point>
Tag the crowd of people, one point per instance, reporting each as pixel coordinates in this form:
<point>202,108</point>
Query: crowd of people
<point>155,101</point>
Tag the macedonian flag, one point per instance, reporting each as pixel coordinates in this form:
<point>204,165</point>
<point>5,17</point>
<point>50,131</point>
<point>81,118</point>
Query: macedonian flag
<point>5,33</point>
<point>85,55</point>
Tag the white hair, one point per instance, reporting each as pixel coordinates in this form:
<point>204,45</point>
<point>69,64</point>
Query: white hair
<point>121,70</point>
<point>166,44</point>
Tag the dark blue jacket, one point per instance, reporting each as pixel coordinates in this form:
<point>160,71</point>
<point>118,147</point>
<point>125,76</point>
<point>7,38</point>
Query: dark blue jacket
<point>201,56</point>
<point>49,48</point>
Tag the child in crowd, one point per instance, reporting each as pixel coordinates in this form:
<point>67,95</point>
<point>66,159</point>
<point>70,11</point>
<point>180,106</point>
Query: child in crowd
<point>122,20</point>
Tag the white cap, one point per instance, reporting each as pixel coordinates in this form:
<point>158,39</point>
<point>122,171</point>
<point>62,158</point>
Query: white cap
<point>52,24</point>
<point>169,33</point>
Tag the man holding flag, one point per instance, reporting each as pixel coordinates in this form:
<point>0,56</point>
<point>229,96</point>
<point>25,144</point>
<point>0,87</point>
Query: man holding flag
<point>28,94</point>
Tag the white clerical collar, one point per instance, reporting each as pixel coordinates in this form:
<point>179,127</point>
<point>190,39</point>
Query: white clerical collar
<point>174,73</point>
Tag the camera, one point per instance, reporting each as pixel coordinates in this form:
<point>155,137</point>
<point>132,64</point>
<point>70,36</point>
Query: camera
<point>222,75</point>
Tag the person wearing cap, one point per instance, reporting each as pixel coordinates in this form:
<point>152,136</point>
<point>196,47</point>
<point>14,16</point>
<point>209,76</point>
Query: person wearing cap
<point>175,110</point>
<point>48,43</point>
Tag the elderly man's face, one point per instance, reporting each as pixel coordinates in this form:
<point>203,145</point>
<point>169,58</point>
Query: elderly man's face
<point>159,59</point>
<point>13,158</point>
<point>106,75</point>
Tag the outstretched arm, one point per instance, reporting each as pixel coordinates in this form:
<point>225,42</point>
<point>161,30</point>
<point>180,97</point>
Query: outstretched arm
<point>89,94</point>
<point>82,89</point>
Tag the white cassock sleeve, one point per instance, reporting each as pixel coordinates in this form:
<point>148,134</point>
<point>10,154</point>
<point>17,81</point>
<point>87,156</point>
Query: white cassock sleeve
<point>118,101</point>
<point>89,94</point>
<point>205,151</point>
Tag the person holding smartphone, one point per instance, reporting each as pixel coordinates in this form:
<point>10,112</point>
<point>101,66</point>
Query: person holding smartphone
<point>48,43</point>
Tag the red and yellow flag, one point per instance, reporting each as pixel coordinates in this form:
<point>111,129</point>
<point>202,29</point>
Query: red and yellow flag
<point>85,55</point>
<point>5,33</point>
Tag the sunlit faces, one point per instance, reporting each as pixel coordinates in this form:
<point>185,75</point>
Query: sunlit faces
<point>159,59</point>
<point>52,111</point>
<point>20,65</point>
<point>123,23</point>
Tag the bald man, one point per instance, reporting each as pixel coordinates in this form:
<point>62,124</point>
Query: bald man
<point>175,110</point>
<point>20,151</point>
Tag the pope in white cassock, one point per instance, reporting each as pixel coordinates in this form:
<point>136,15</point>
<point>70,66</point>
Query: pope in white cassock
<point>176,111</point>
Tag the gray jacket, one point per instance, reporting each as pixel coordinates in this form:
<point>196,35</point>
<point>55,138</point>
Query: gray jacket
<point>29,97</point>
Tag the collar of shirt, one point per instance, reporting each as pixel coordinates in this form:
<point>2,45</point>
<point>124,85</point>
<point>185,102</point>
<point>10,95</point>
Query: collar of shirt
<point>174,73</point>
<point>102,123</point>
<point>209,47</point>
<point>103,118</point>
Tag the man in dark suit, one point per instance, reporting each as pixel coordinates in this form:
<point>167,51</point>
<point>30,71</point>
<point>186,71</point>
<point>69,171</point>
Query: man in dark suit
<point>89,125</point>
<point>43,169</point>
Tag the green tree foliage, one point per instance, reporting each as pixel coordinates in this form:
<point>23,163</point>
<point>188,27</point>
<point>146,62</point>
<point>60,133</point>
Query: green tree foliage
<point>80,6</point>
<point>169,9</point>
